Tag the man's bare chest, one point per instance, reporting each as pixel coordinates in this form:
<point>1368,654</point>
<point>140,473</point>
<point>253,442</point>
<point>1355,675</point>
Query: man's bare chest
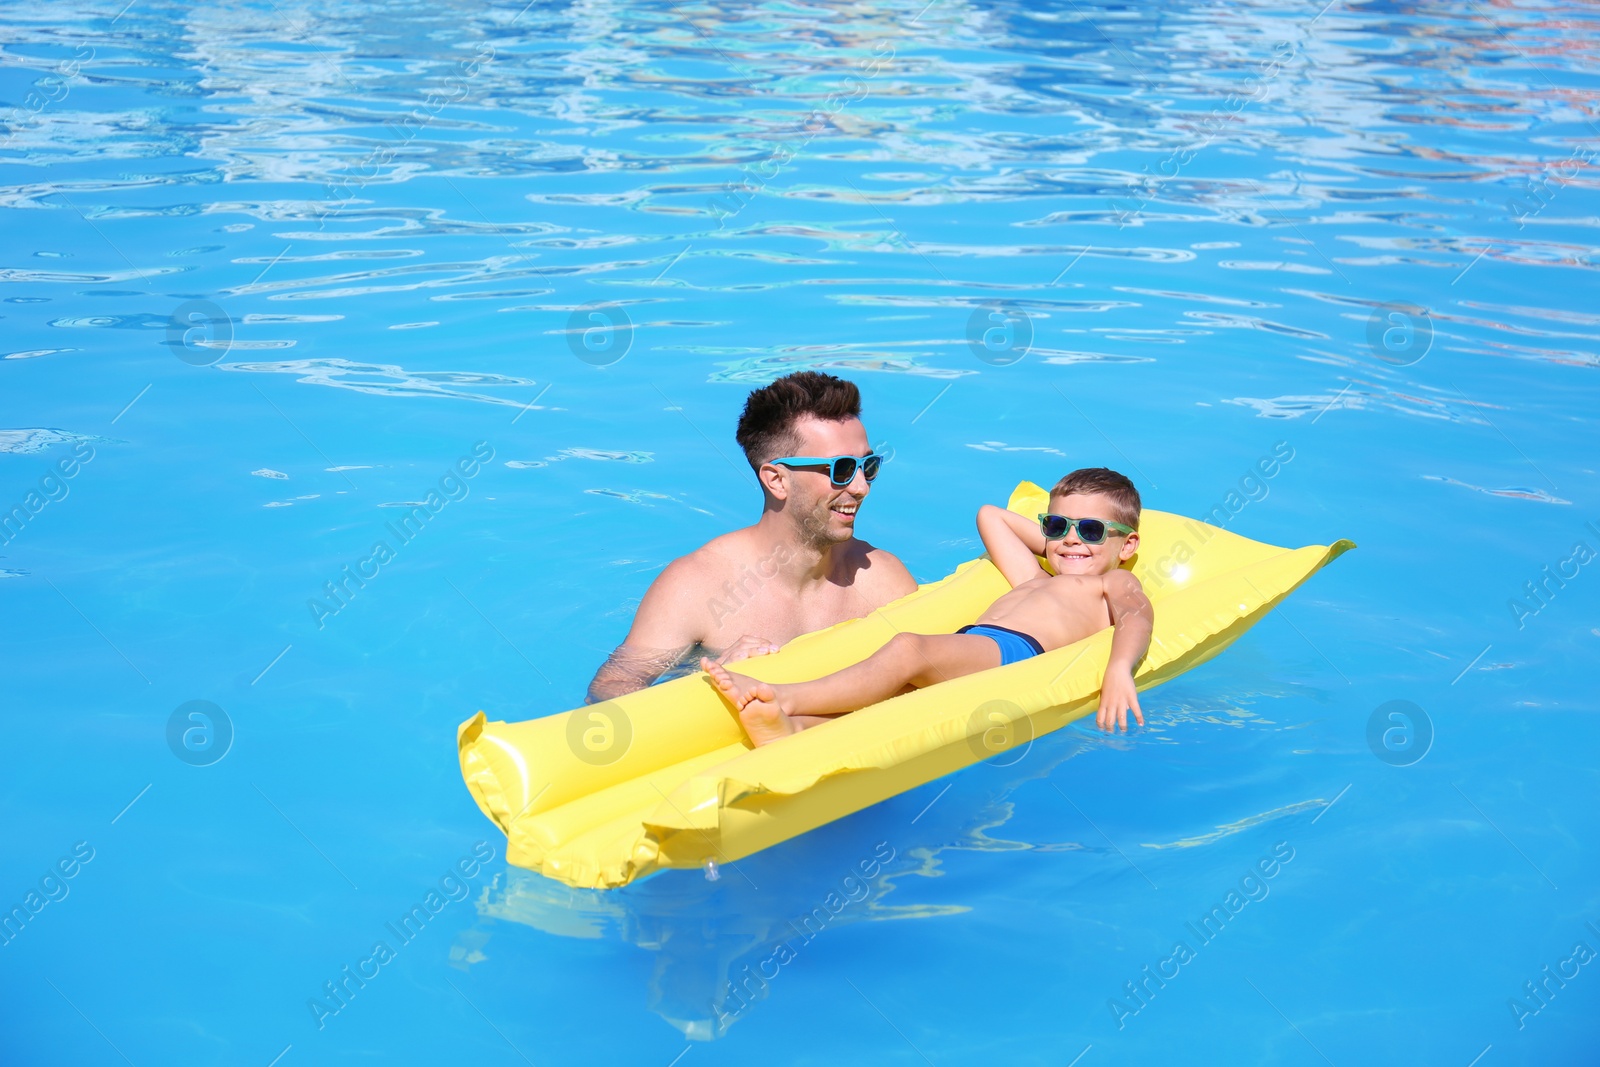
<point>780,614</point>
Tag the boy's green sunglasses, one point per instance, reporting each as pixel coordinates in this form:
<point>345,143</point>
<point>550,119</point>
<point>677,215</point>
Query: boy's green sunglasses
<point>1090,531</point>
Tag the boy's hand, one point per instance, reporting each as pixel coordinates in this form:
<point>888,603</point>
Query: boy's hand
<point>1133,617</point>
<point>1117,695</point>
<point>1013,544</point>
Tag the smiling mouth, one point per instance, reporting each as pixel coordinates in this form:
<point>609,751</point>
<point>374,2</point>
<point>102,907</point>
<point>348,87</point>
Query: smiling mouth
<point>846,510</point>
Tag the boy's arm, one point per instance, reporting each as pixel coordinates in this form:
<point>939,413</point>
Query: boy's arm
<point>1133,618</point>
<point>1013,543</point>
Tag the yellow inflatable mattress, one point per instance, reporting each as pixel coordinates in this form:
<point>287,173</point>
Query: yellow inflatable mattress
<point>610,792</point>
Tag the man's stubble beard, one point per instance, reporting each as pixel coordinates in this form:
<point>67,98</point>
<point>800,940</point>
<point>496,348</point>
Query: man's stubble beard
<point>811,530</point>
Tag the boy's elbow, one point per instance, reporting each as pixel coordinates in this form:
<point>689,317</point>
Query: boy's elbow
<point>985,526</point>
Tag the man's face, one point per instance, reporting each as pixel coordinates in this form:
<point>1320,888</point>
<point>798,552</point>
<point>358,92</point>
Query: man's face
<point>1069,555</point>
<point>825,515</point>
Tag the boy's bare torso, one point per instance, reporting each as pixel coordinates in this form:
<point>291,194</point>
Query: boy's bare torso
<point>1055,610</point>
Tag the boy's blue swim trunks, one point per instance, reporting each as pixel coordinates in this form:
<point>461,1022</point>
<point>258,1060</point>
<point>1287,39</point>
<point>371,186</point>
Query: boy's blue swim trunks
<point>1015,646</point>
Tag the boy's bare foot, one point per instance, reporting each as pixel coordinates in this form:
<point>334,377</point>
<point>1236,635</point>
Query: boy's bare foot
<point>765,722</point>
<point>755,702</point>
<point>735,688</point>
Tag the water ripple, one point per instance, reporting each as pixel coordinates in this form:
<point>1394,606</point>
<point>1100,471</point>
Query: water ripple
<point>386,379</point>
<point>26,442</point>
<point>1513,492</point>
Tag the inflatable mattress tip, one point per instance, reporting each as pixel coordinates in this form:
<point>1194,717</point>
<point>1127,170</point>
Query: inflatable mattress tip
<point>469,731</point>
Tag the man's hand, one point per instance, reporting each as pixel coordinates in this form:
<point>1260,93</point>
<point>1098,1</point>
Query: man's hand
<point>744,648</point>
<point>1117,695</point>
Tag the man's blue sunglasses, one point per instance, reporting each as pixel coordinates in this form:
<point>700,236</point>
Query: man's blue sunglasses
<point>841,470</point>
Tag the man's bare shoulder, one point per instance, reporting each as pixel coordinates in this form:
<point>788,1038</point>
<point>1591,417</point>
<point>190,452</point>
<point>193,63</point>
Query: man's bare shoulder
<point>871,555</point>
<point>674,610</point>
<point>688,570</point>
<point>711,563</point>
<point>717,556</point>
<point>678,608</point>
<point>874,568</point>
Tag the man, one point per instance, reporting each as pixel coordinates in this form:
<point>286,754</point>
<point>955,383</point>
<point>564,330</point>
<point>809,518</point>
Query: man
<point>799,568</point>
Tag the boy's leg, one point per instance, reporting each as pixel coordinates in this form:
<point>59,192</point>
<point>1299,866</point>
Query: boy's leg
<point>907,659</point>
<point>947,656</point>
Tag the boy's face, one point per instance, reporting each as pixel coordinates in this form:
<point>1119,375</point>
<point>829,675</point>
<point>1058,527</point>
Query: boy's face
<point>1069,555</point>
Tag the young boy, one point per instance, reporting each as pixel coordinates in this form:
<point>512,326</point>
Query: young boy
<point>1091,528</point>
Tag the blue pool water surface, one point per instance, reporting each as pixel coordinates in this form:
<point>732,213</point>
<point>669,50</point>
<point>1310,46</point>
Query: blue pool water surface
<point>271,269</point>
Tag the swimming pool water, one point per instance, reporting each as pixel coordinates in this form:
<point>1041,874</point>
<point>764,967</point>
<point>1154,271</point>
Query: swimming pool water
<point>271,270</point>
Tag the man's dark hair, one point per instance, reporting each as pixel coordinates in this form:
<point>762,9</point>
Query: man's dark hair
<point>766,429</point>
<point>1124,497</point>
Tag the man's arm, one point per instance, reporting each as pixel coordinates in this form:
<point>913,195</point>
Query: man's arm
<point>669,622</point>
<point>1013,543</point>
<point>1133,618</point>
<point>629,668</point>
